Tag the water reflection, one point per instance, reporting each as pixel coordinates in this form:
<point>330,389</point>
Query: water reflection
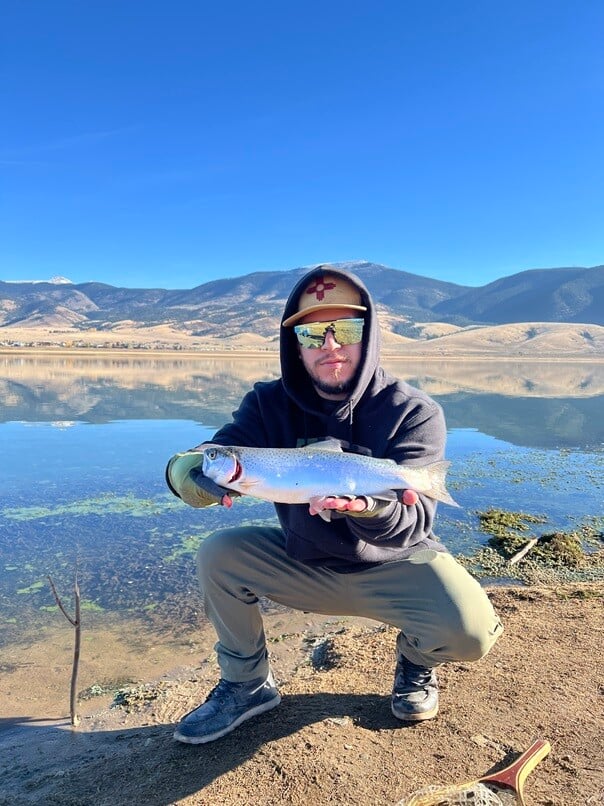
<point>547,404</point>
<point>98,390</point>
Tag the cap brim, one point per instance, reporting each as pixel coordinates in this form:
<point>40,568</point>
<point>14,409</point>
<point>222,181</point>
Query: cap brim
<point>291,320</point>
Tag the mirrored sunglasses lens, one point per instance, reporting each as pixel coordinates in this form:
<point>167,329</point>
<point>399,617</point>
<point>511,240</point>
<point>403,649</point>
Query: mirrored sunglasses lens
<point>310,340</point>
<point>346,331</point>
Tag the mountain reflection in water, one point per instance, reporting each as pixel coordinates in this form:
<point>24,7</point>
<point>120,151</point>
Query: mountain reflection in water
<point>533,403</point>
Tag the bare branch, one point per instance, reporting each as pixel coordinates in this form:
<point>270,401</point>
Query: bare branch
<point>60,603</point>
<point>73,696</point>
<point>76,624</point>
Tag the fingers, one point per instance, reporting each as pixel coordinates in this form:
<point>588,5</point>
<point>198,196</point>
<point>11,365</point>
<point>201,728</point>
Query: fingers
<point>409,497</point>
<point>356,505</point>
<point>316,504</point>
<point>226,501</point>
<point>320,503</point>
<point>340,504</point>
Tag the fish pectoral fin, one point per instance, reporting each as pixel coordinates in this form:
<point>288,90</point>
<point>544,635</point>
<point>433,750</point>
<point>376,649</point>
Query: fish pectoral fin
<point>246,486</point>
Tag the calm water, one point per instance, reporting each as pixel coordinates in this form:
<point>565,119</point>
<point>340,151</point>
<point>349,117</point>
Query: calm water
<point>84,442</point>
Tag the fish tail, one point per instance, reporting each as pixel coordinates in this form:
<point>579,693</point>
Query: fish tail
<point>437,474</point>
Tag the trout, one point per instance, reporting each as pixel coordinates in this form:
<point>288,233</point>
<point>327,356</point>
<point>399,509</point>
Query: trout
<point>296,475</point>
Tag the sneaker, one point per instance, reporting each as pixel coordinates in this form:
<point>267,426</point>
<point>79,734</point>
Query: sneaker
<point>226,707</point>
<point>415,692</point>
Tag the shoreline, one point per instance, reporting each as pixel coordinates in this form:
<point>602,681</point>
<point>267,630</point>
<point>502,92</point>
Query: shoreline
<point>386,355</point>
<point>333,739</point>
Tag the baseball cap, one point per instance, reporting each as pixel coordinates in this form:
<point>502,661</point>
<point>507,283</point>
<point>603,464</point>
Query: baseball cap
<point>326,291</point>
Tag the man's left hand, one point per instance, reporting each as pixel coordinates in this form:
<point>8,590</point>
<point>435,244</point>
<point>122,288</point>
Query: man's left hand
<point>341,504</point>
<point>351,503</point>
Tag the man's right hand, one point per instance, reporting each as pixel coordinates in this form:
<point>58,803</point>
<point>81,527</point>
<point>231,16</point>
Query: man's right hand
<point>185,478</point>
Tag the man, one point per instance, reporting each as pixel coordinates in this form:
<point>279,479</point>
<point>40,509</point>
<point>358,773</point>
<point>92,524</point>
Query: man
<point>373,556</point>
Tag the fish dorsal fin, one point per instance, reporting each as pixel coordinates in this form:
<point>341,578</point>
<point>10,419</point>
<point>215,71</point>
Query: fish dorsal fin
<point>327,444</point>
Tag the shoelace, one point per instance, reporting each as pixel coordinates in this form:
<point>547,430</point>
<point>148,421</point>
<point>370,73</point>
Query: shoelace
<point>222,689</point>
<point>411,675</point>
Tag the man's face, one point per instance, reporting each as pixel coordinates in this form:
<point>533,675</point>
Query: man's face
<point>332,366</point>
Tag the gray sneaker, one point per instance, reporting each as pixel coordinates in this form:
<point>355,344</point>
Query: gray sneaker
<point>226,707</point>
<point>415,692</point>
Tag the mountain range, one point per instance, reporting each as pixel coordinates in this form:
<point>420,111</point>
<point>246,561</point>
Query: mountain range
<point>410,305</point>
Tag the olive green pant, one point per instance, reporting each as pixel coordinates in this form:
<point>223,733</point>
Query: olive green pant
<point>442,612</point>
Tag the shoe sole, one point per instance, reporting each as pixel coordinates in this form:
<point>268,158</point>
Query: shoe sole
<point>420,717</point>
<point>258,709</point>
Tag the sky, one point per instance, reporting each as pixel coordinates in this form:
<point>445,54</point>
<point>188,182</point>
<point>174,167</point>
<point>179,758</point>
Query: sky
<point>165,144</point>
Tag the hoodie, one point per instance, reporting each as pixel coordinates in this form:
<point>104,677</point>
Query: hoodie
<point>382,417</point>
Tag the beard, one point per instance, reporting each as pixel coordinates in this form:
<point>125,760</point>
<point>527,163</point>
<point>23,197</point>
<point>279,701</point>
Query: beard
<point>335,388</point>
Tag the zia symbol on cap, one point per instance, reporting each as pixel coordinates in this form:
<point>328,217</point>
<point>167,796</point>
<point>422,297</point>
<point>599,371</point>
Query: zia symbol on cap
<point>319,289</point>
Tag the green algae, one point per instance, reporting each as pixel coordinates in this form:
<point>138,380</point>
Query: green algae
<point>134,698</point>
<point>187,547</point>
<point>504,524</point>
<point>104,688</point>
<point>106,504</point>
<point>190,542</point>
<point>89,606</point>
<point>560,556</point>
<point>508,536</point>
<point>33,588</point>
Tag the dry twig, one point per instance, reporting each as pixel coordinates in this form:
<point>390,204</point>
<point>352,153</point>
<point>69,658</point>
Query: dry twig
<point>76,624</point>
<point>523,551</point>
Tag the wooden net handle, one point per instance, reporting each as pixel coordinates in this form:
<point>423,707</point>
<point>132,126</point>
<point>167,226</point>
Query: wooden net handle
<point>515,774</point>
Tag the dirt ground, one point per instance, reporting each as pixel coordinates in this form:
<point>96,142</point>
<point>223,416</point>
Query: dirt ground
<point>333,738</point>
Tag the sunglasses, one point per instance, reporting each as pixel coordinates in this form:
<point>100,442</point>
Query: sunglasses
<point>345,331</point>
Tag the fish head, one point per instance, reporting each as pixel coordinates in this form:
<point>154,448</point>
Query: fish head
<point>221,464</point>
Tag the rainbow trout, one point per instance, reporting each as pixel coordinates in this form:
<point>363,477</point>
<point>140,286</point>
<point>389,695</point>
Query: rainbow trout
<point>295,475</point>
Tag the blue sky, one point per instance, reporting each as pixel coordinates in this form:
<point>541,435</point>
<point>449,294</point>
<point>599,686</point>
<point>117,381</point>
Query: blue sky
<point>166,144</point>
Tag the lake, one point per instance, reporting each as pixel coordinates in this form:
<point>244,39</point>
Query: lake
<point>84,441</point>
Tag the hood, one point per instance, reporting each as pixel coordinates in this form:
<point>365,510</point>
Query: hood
<point>294,377</point>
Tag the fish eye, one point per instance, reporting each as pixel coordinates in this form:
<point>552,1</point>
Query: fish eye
<point>212,453</point>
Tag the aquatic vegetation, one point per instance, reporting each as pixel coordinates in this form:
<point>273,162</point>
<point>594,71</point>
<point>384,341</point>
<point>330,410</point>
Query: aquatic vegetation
<point>106,504</point>
<point>188,547</point>
<point>101,689</point>
<point>504,524</point>
<point>33,588</point>
<point>91,607</point>
<point>135,698</point>
<point>189,542</point>
<point>559,556</point>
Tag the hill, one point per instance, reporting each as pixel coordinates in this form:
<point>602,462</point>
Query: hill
<point>416,312</point>
<point>543,295</point>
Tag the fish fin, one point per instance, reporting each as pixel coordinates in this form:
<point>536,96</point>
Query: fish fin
<point>325,514</point>
<point>327,444</point>
<point>437,489</point>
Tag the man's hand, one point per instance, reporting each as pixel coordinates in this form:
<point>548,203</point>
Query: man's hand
<point>184,476</point>
<point>353,505</point>
<point>320,503</point>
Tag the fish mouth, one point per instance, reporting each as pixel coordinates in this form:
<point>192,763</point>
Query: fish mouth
<point>237,474</point>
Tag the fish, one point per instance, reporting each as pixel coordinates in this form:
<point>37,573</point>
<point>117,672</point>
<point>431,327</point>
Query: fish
<point>297,475</point>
